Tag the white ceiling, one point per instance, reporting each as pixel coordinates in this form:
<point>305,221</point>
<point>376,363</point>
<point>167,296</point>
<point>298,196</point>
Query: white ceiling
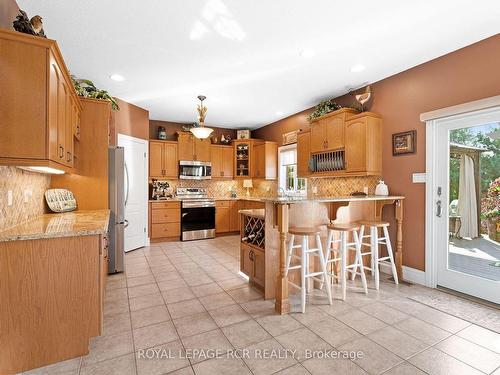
<point>245,55</point>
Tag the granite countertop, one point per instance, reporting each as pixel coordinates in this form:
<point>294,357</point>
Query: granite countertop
<point>69,224</point>
<point>347,198</point>
<point>259,213</point>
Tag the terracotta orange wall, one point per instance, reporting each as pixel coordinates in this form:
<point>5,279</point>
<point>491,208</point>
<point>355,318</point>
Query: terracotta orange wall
<point>8,12</point>
<point>172,127</point>
<point>129,120</point>
<point>462,76</point>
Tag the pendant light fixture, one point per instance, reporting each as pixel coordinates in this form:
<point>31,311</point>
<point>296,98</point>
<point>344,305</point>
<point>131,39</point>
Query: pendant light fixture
<point>201,131</point>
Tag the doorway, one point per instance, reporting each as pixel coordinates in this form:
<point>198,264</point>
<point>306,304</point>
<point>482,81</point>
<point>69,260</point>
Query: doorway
<point>136,191</point>
<point>463,198</point>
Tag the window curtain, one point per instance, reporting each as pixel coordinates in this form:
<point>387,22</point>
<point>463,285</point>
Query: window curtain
<point>467,200</point>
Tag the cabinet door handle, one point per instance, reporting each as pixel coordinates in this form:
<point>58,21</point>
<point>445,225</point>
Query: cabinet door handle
<point>68,156</point>
<point>61,152</point>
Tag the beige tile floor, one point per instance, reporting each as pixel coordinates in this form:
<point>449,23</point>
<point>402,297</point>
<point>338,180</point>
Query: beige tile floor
<point>186,296</point>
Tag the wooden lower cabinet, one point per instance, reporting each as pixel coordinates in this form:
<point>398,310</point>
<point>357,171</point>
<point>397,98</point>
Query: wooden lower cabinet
<point>234,216</point>
<point>52,307</point>
<point>226,216</point>
<point>252,264</point>
<point>164,220</point>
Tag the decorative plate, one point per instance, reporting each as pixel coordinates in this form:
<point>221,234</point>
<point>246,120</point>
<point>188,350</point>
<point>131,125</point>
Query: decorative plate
<point>60,200</point>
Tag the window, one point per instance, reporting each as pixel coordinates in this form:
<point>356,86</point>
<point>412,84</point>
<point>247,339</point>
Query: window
<point>288,180</point>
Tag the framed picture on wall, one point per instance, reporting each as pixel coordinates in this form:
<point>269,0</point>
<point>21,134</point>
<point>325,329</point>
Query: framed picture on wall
<point>404,143</point>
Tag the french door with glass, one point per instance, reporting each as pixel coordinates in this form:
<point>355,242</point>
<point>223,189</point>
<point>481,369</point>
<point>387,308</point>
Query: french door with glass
<point>463,197</point>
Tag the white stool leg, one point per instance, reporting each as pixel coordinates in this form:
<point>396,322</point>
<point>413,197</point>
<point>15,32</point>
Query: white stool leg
<point>289,254</point>
<point>374,251</point>
<point>391,255</point>
<point>328,251</point>
<point>360,258</point>
<point>343,262</point>
<point>323,268</point>
<point>303,273</point>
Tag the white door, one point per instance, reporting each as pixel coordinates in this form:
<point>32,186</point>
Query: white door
<point>136,190</point>
<point>464,254</point>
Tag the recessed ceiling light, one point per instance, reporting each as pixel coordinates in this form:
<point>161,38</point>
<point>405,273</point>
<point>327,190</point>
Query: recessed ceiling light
<point>307,53</point>
<point>279,113</point>
<point>357,68</point>
<point>117,77</point>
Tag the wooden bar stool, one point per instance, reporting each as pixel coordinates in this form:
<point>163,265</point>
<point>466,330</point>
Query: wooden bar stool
<point>305,272</point>
<point>375,240</point>
<point>344,230</point>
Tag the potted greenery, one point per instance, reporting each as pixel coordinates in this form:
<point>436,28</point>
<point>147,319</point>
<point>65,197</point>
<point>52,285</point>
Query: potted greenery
<point>324,107</point>
<point>87,89</point>
<point>492,220</point>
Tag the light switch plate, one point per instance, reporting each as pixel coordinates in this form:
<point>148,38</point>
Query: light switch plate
<point>10,198</point>
<point>419,178</point>
<point>27,195</point>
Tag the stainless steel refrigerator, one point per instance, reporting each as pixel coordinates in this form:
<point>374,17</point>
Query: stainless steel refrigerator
<point>117,223</point>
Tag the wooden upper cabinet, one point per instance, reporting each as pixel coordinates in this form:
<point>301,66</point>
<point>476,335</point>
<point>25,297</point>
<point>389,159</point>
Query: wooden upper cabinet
<point>255,158</point>
<point>163,161</point>
<point>171,163</point>
<point>222,161</point>
<point>155,159</point>
<point>192,148</point>
<point>202,149</point>
<point>265,158</point>
<point>185,146</point>
<point>38,104</point>
<point>327,132</point>
<point>318,136</point>
<point>227,161</point>
<point>303,153</point>
<point>363,151</point>
<point>216,157</point>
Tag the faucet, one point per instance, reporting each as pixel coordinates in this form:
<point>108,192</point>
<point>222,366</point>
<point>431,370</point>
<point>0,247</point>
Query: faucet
<point>281,192</point>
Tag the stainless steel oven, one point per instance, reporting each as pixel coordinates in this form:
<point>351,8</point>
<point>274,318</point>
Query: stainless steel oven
<point>197,220</point>
<point>197,214</point>
<point>195,170</point>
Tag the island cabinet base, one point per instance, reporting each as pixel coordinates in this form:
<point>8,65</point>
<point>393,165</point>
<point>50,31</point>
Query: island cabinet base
<point>51,293</point>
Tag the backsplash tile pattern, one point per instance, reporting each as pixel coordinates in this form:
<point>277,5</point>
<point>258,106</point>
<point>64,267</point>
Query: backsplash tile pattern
<point>327,187</point>
<point>341,186</point>
<point>17,180</point>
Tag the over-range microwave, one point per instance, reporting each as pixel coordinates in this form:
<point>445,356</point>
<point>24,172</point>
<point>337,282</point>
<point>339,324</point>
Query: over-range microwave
<point>195,170</point>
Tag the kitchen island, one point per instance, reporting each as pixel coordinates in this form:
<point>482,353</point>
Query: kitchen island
<point>283,212</point>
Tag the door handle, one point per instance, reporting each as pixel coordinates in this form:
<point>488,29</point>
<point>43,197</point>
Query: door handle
<point>439,208</point>
<point>127,182</point>
<point>126,224</point>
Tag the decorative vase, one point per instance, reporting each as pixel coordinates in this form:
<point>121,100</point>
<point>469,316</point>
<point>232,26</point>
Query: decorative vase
<point>382,188</point>
<point>162,134</point>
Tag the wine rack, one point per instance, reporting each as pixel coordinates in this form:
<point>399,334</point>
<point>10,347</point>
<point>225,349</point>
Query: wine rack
<point>327,161</point>
<point>254,231</point>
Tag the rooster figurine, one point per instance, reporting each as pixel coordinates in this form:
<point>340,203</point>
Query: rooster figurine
<point>37,24</point>
<point>364,97</point>
<point>24,25</point>
<point>361,99</point>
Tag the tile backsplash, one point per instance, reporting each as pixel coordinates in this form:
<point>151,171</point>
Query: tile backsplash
<point>339,186</point>
<point>18,180</point>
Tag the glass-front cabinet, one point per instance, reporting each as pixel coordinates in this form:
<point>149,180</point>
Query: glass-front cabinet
<point>243,152</point>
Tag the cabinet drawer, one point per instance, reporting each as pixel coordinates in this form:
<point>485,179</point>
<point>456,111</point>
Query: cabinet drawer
<point>157,205</point>
<point>165,230</point>
<point>222,203</point>
<point>165,215</point>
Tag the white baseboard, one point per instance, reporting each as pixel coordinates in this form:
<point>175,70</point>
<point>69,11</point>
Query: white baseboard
<point>409,274</point>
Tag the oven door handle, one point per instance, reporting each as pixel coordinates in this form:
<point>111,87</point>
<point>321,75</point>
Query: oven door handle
<point>197,204</point>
